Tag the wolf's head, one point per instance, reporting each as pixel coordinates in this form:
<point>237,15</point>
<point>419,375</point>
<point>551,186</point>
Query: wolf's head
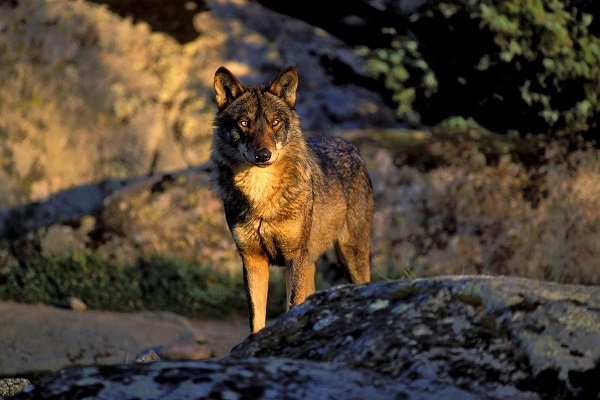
<point>254,123</point>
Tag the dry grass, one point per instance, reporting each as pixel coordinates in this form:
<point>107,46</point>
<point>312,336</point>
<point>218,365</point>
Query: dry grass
<point>483,217</point>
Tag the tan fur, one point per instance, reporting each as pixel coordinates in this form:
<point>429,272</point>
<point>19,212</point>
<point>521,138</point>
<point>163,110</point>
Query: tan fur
<point>287,199</point>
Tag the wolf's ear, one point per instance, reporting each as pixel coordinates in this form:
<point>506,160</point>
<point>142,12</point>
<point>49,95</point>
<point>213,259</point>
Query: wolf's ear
<point>285,85</point>
<point>227,87</point>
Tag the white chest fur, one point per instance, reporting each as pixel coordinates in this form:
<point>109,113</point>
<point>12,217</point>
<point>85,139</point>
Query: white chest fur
<point>260,186</point>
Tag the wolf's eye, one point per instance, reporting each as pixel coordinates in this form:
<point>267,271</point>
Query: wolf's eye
<point>275,122</point>
<point>244,123</point>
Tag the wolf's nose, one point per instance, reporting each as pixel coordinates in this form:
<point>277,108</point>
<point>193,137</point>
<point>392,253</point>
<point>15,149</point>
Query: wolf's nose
<point>262,155</point>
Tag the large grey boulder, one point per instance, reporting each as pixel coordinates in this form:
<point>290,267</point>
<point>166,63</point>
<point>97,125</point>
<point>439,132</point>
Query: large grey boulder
<point>494,335</point>
<point>448,337</point>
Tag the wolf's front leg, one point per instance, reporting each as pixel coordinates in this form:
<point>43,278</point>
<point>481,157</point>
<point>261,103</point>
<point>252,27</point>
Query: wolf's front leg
<point>256,282</point>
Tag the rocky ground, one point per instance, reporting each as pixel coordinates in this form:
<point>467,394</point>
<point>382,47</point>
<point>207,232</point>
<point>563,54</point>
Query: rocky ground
<point>448,201</point>
<point>466,338</point>
<point>38,338</point>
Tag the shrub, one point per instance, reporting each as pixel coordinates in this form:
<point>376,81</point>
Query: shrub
<point>528,66</point>
<point>159,284</point>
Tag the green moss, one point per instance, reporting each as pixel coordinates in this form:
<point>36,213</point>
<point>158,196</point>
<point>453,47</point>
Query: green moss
<point>458,125</point>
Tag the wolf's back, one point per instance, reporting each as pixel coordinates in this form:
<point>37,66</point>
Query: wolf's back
<point>341,160</point>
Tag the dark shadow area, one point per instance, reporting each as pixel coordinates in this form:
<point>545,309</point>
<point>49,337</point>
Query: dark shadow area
<point>173,17</point>
<point>9,3</point>
<point>354,21</point>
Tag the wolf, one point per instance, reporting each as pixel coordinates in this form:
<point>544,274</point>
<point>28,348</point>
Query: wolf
<point>287,198</point>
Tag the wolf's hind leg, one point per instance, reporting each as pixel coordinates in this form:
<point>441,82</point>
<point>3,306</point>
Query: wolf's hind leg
<point>353,246</point>
<point>356,259</point>
<point>310,279</point>
<point>309,287</point>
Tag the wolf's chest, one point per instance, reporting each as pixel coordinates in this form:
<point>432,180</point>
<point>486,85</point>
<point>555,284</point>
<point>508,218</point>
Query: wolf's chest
<point>262,189</point>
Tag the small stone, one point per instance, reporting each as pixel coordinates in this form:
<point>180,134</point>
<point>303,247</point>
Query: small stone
<point>421,330</point>
<point>76,304</point>
<point>185,351</point>
<point>12,386</point>
<point>147,356</point>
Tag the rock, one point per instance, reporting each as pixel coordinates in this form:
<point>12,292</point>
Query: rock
<point>147,356</point>
<point>254,379</point>
<point>61,239</point>
<point>158,100</point>
<point>500,337</point>
<point>447,337</point>
<point>334,89</point>
<point>76,202</point>
<point>185,351</point>
<point>12,386</point>
<point>177,351</point>
<point>76,304</point>
<point>172,214</point>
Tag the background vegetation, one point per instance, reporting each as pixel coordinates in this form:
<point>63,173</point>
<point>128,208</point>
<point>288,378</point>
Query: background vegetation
<point>158,284</point>
<point>501,183</point>
<point>476,204</point>
<point>513,66</point>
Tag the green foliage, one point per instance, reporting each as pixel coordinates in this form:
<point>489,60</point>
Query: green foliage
<point>403,70</point>
<point>52,279</point>
<point>174,285</point>
<point>531,66</point>
<point>159,284</point>
<point>458,125</point>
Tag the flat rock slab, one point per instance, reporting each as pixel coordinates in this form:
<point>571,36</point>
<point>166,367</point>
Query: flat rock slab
<point>39,338</point>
